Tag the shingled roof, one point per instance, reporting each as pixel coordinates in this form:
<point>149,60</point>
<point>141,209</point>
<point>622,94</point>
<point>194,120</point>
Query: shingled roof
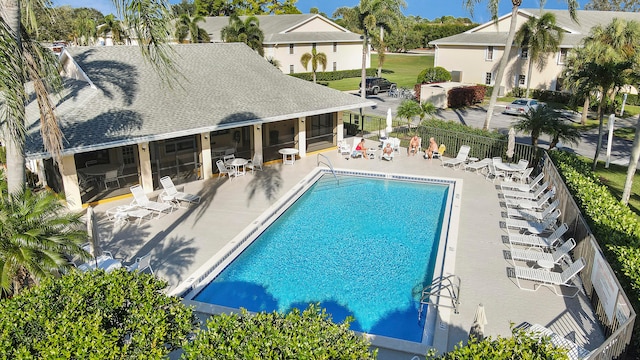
<point>220,86</point>
<point>575,32</point>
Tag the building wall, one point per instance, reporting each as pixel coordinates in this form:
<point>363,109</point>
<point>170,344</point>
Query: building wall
<point>348,56</point>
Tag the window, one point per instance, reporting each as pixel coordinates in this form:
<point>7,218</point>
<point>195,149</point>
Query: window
<point>290,69</point>
<point>313,46</point>
<point>524,53</point>
<point>335,47</point>
<point>488,78</point>
<point>290,48</point>
<point>335,66</point>
<point>489,54</point>
<point>521,80</point>
<point>562,56</point>
<point>127,155</point>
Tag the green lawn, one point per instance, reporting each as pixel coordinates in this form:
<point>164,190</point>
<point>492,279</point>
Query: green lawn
<point>614,178</point>
<point>400,69</point>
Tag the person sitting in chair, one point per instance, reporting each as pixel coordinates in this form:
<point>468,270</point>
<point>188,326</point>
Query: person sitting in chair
<point>387,152</point>
<point>414,144</point>
<point>361,149</point>
<point>433,147</point>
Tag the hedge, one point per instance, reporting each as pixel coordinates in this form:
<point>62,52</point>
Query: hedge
<point>542,95</point>
<point>613,224</point>
<point>335,75</point>
<point>466,96</point>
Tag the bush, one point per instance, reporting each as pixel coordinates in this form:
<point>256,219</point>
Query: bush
<point>297,335</point>
<point>613,224</point>
<point>466,96</point>
<point>334,75</point>
<point>94,315</point>
<point>433,74</point>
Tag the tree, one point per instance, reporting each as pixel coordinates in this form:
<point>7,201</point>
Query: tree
<point>184,7</point>
<point>545,120</point>
<point>309,334</point>
<point>633,164</point>
<point>365,18</point>
<point>273,61</point>
<point>113,26</point>
<point>247,31</point>
<point>433,74</point>
<point>613,5</point>
<point>316,59</point>
<point>95,315</point>
<point>37,237</point>
<point>540,36</point>
<point>562,131</point>
<point>23,59</point>
<point>493,8</point>
<point>606,63</point>
<point>408,109</point>
<point>188,27</point>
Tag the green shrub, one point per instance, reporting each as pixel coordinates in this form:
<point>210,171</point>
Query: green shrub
<point>433,74</point>
<point>613,224</point>
<point>466,96</point>
<point>297,335</point>
<point>335,75</point>
<point>93,315</point>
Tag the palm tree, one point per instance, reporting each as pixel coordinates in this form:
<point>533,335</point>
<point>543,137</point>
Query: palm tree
<point>427,109</point>
<point>187,26</point>
<point>540,36</point>
<point>113,26</point>
<point>316,59</point>
<point>273,61</point>
<point>25,60</point>
<point>408,109</point>
<point>365,18</point>
<point>561,131</point>
<point>37,237</point>
<point>493,8</point>
<point>536,121</point>
<point>247,31</point>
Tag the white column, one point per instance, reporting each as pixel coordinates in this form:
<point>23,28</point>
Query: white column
<point>257,139</point>
<point>302,137</point>
<point>70,182</point>
<point>339,128</point>
<point>205,156</point>
<point>146,176</point>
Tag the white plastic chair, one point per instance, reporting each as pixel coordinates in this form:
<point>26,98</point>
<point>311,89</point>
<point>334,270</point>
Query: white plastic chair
<point>537,240</point>
<point>344,148</point>
<point>255,163</point>
<point>111,177</point>
<point>562,252</point>
<point>223,170</point>
<point>460,159</point>
<point>140,199</point>
<point>550,278</point>
<point>173,193</point>
<point>142,263</point>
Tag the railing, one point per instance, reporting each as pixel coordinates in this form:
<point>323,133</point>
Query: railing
<point>450,284</point>
<point>328,163</point>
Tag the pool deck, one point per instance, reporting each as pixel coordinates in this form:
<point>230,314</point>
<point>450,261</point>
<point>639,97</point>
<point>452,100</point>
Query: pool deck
<point>183,241</point>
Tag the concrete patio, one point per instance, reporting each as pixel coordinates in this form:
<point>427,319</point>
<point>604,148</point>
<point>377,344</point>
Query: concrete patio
<point>181,242</point>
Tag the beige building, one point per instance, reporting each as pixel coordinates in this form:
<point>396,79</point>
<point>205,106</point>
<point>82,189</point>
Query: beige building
<point>288,37</point>
<point>474,55</point>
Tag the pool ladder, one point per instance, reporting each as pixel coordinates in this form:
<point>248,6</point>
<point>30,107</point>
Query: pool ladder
<point>442,287</point>
<point>328,163</point>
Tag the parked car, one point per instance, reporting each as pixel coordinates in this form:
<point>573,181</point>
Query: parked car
<point>375,85</point>
<point>521,106</point>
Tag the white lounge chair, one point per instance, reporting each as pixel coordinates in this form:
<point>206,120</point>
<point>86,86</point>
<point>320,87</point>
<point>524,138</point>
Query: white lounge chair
<point>388,157</point>
<point>171,192</point>
<point>460,159</point>
<point>223,170</point>
<point>574,351</point>
<point>477,166</point>
<point>142,263</point>
<point>255,163</point>
<point>538,241</point>
<point>534,215</point>
<point>535,227</point>
<point>140,199</point>
<point>550,278</point>
<point>438,154</point>
<point>529,195</point>
<point>553,257</point>
<point>512,185</point>
<point>522,177</point>
<point>356,153</point>
<point>532,204</point>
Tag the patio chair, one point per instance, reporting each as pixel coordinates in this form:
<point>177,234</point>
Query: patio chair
<point>528,195</point>
<point>344,148</point>
<point>531,203</point>
<point>460,159</point>
<point>228,157</point>
<point>438,154</point>
<point>223,170</point>
<point>522,177</point>
<point>140,199</point>
<point>255,163</point>
<point>538,241</point>
<point>535,227</point>
<point>477,166</point>
<point>550,278</point>
<point>562,252</point>
<point>170,191</point>
<point>512,185</point>
<point>142,263</point>
<point>533,214</point>
<point>574,351</point>
<point>111,177</point>
<point>356,153</point>
<point>493,172</point>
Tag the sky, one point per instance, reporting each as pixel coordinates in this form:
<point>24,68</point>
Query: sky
<point>426,9</point>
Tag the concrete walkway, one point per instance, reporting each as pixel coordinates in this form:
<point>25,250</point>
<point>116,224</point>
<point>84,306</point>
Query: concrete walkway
<point>181,242</point>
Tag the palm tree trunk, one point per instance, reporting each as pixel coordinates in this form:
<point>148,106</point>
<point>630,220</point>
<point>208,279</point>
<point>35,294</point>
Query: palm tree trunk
<point>502,67</point>
<point>314,77</point>
<point>585,111</point>
<point>529,76</point>
<point>363,75</point>
<point>633,164</point>
<point>603,101</point>
<point>381,50</point>
<point>15,157</point>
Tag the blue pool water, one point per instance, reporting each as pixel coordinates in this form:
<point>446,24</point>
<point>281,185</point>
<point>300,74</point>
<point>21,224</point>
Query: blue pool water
<point>364,248</point>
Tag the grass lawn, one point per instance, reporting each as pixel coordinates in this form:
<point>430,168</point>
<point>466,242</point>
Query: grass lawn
<point>398,68</point>
<point>614,178</point>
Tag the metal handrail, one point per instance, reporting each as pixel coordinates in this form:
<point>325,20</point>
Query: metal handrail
<point>328,163</point>
<point>436,287</point>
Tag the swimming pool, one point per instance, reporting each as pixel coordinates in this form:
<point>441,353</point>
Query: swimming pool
<point>365,248</point>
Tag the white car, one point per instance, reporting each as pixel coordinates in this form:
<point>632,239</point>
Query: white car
<point>521,106</point>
